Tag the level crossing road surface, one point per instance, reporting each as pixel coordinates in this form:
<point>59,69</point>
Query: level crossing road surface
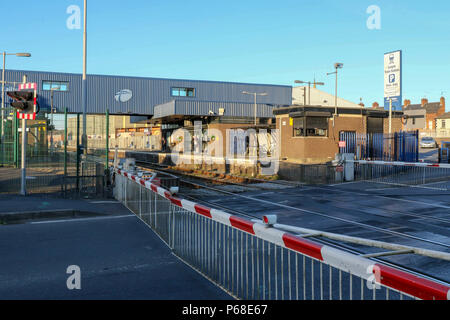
<point>118,255</point>
<point>410,216</point>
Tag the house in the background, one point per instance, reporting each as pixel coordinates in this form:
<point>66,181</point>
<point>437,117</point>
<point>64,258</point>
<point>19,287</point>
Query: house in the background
<point>443,125</point>
<point>422,116</point>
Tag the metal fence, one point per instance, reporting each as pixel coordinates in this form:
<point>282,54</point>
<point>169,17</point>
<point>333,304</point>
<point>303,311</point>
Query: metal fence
<point>432,176</point>
<point>53,164</point>
<point>398,146</point>
<point>252,261</point>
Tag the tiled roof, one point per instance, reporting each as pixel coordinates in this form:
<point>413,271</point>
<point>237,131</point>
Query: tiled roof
<point>432,107</point>
<point>444,116</point>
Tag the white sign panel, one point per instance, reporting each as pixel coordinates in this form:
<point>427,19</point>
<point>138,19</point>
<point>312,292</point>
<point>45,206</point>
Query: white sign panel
<point>393,78</point>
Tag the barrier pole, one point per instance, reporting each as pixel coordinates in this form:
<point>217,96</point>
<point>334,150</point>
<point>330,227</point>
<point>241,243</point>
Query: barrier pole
<point>65,141</point>
<point>107,138</point>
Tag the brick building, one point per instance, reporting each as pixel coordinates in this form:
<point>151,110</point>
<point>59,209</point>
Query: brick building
<point>311,134</point>
<point>423,116</point>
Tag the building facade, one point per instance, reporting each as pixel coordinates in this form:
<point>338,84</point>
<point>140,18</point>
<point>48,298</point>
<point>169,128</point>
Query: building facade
<point>311,134</point>
<point>139,96</point>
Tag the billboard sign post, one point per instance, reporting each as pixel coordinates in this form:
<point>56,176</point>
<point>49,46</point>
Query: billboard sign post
<point>393,80</point>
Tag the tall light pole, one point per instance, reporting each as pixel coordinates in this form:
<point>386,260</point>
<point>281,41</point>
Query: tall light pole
<point>337,66</point>
<point>20,54</point>
<point>309,87</point>
<point>83,83</point>
<point>255,94</point>
<point>51,112</point>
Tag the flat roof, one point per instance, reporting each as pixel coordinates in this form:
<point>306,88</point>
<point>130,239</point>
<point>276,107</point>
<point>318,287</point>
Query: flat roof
<point>380,112</point>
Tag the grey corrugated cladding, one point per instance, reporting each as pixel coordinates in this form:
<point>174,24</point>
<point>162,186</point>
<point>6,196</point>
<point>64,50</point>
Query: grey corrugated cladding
<point>147,92</point>
<point>201,108</point>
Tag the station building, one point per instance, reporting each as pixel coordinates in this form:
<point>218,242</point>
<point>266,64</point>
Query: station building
<point>155,106</point>
<point>311,134</point>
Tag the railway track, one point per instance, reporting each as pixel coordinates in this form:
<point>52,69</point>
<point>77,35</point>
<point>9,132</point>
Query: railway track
<point>196,182</point>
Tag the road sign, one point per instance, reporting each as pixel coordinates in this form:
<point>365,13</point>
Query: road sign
<point>393,80</point>
<point>31,98</point>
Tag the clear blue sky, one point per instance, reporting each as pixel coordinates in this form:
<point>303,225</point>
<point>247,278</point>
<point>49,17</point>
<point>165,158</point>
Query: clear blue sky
<point>240,40</point>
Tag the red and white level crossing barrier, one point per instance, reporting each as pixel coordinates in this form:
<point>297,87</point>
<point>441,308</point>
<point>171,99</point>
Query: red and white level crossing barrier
<point>364,268</point>
<point>26,116</point>
<point>404,164</point>
<point>29,86</point>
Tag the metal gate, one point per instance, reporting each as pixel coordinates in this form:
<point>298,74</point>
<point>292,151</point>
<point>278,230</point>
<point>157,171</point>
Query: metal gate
<point>399,146</point>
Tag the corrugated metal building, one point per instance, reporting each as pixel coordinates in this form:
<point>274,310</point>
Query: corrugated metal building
<point>153,96</point>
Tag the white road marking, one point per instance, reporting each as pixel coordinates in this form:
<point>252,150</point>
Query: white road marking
<point>110,201</point>
<point>83,219</point>
<point>385,197</point>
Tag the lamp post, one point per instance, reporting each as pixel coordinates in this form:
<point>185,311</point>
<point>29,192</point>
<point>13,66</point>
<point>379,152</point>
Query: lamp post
<point>83,83</point>
<point>337,66</point>
<point>20,54</point>
<point>51,112</point>
<point>255,94</point>
<point>309,87</point>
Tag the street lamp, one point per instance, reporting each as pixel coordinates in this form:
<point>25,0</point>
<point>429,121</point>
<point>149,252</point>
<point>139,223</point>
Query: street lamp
<point>84,84</point>
<point>309,87</point>
<point>51,112</point>
<point>337,66</point>
<point>255,94</point>
<point>19,54</point>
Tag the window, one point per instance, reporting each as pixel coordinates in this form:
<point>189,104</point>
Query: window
<point>310,127</point>
<point>413,121</point>
<point>55,85</point>
<point>298,127</point>
<point>443,124</point>
<point>183,92</point>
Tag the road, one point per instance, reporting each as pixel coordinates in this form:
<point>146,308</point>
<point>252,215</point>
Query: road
<point>119,258</point>
<point>408,216</point>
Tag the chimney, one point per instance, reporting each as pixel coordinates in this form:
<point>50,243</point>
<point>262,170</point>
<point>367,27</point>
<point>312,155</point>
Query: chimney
<point>361,104</point>
<point>424,101</point>
<point>375,105</point>
<point>442,107</point>
<point>406,103</point>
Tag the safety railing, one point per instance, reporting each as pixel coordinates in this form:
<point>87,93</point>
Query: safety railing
<point>425,175</point>
<point>254,261</point>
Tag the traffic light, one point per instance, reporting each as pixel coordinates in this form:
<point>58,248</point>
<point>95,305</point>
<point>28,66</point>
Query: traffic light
<point>23,100</point>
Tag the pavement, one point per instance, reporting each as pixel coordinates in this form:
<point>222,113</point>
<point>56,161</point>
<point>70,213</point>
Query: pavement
<point>118,255</point>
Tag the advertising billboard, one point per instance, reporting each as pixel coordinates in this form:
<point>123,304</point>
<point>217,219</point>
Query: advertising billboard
<point>393,80</point>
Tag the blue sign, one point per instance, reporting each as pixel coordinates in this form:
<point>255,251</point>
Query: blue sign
<point>393,80</point>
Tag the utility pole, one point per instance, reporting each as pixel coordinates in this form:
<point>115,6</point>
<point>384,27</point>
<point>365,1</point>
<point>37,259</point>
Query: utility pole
<point>309,87</point>
<point>255,94</point>
<point>23,188</point>
<point>337,66</point>
<point>83,83</point>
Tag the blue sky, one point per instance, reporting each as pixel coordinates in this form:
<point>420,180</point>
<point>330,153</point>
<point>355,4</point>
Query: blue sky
<point>244,41</point>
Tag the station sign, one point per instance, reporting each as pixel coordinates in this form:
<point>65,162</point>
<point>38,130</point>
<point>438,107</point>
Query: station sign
<point>393,80</point>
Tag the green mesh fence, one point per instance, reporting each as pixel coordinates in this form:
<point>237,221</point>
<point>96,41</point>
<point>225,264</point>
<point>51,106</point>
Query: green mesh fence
<point>52,161</point>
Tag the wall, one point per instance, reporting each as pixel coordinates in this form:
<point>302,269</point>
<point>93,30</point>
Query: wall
<point>146,92</point>
<point>317,149</point>
<point>420,123</point>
